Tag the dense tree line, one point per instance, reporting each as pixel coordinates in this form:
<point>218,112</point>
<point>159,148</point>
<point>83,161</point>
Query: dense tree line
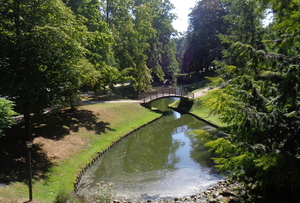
<point>201,44</point>
<point>53,49</point>
<point>258,95</point>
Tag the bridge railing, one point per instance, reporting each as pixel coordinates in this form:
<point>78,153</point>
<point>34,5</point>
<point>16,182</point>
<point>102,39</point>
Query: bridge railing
<point>165,92</point>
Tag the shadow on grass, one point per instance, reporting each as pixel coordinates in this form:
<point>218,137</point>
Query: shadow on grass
<point>55,126</point>
<point>117,93</point>
<point>13,159</point>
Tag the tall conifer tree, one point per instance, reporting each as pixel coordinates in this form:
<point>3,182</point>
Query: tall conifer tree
<point>260,102</point>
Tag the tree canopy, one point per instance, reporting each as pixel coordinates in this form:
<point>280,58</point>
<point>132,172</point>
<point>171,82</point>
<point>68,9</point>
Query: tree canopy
<point>41,55</point>
<point>203,44</point>
<point>259,100</point>
<point>51,50</point>
<point>142,32</point>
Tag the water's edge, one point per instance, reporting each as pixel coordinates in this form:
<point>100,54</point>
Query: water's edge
<point>99,154</point>
<point>190,197</point>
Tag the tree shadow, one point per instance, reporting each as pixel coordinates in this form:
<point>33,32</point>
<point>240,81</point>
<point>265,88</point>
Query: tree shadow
<point>57,125</point>
<point>14,156</point>
<point>121,92</point>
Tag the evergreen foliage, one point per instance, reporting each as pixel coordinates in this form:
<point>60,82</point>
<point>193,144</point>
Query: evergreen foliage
<point>259,99</point>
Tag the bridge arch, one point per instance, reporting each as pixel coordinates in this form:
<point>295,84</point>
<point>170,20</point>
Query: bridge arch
<point>165,92</point>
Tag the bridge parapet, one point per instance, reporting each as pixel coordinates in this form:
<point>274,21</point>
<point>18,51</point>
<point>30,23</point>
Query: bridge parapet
<point>165,92</point>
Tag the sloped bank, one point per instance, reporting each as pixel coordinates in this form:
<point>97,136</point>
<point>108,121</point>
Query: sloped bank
<point>184,106</point>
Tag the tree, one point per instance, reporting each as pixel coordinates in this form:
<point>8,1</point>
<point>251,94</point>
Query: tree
<point>205,24</point>
<point>6,114</point>
<point>141,31</point>
<point>41,60</point>
<point>99,42</point>
<point>260,102</point>
<point>129,45</point>
<point>161,56</point>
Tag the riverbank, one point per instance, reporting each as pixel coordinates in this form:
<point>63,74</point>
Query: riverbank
<point>65,142</point>
<point>225,191</point>
<point>196,107</point>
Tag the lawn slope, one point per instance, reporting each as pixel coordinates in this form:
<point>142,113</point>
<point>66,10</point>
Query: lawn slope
<point>67,141</point>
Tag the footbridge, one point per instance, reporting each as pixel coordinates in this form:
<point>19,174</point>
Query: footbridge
<point>165,92</point>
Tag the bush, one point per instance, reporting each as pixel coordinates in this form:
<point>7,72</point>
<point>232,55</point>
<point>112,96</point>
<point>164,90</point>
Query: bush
<point>6,114</point>
<point>64,196</point>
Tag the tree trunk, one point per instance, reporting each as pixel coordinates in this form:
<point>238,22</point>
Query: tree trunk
<point>27,120</point>
<point>107,10</point>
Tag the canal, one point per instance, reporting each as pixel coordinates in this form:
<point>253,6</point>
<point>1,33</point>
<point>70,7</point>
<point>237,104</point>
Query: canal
<point>159,160</point>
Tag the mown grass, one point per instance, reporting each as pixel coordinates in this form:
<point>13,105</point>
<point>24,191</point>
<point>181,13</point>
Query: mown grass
<point>109,122</point>
<point>197,86</point>
<point>203,112</point>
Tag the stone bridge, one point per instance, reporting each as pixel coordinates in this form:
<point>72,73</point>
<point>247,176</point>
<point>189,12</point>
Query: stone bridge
<point>165,92</point>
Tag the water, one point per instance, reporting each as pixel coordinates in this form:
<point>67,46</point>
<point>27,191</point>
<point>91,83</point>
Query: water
<point>157,161</point>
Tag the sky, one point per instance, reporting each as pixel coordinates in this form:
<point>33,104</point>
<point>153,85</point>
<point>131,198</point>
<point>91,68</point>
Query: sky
<point>182,10</point>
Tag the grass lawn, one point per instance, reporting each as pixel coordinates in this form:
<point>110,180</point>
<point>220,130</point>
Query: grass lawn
<point>203,112</point>
<point>65,142</point>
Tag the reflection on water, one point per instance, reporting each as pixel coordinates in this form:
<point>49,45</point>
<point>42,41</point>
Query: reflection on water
<point>159,160</point>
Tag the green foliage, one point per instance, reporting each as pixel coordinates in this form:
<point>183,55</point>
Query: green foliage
<point>42,54</point>
<point>204,46</point>
<point>142,33</point>
<point>128,25</point>
<point>6,114</point>
<point>203,135</point>
<point>162,59</point>
<point>244,22</point>
<point>51,50</point>
<point>202,110</point>
<point>221,146</point>
<point>99,41</point>
<point>260,101</point>
<point>215,81</point>
<point>64,196</point>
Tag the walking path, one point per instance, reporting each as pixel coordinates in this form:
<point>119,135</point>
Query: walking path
<point>201,92</point>
<point>115,101</point>
<point>197,94</point>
